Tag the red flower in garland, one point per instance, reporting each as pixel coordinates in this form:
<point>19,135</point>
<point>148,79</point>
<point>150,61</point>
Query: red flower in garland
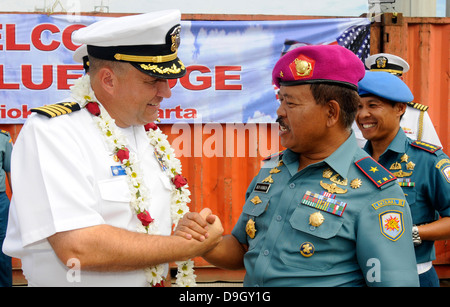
<point>93,108</point>
<point>145,218</point>
<point>179,181</point>
<point>149,126</point>
<point>123,154</point>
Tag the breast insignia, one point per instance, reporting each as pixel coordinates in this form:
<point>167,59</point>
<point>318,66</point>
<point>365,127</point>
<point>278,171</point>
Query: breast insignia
<point>57,109</point>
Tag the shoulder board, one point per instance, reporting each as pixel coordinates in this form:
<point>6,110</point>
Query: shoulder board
<point>57,109</point>
<point>426,146</point>
<point>274,156</point>
<point>417,106</point>
<point>375,171</point>
<point>5,132</point>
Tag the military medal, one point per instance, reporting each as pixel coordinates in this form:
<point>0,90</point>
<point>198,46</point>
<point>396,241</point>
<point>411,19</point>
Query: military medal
<point>324,202</point>
<point>256,200</point>
<point>410,165</point>
<point>268,179</point>
<point>405,182</point>
<point>332,188</point>
<point>356,183</point>
<point>316,219</point>
<point>396,166</point>
<point>327,173</point>
<point>160,160</point>
<point>404,158</point>
<point>336,180</point>
<point>274,171</point>
<point>307,249</point>
<point>401,174</point>
<point>250,228</point>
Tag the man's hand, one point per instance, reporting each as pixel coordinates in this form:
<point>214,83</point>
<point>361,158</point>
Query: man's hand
<point>196,225</point>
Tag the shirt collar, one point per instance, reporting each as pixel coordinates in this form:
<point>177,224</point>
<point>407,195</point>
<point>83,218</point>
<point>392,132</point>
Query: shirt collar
<point>397,145</point>
<point>339,160</point>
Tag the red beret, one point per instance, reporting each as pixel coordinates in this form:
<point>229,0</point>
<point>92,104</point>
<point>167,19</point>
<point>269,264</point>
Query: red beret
<point>331,64</point>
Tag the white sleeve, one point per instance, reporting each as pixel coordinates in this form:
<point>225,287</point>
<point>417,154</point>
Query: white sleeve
<point>52,179</point>
<point>429,134</point>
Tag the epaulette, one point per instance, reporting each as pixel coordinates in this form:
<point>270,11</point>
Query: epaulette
<point>274,156</point>
<point>417,106</point>
<point>5,133</point>
<point>426,146</point>
<point>375,171</point>
<point>57,109</point>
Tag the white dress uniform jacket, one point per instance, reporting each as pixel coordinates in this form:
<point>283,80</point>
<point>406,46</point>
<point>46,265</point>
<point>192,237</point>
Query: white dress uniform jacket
<point>62,179</point>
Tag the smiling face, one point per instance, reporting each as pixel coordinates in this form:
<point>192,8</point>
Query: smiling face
<point>378,119</point>
<point>139,96</point>
<point>130,96</point>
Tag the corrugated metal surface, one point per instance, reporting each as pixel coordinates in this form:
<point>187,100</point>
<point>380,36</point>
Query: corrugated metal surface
<point>429,52</point>
<point>219,179</point>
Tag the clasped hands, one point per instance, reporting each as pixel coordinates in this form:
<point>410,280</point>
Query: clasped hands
<point>203,227</point>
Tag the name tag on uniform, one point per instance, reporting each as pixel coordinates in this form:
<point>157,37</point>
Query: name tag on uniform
<point>118,170</point>
<point>262,187</point>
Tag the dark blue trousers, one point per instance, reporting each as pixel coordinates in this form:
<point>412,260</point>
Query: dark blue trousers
<point>5,261</point>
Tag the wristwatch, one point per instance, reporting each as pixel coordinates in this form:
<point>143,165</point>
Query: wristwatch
<point>415,236</point>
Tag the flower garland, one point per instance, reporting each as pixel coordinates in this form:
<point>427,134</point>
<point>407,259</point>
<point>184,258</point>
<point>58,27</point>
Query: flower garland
<point>140,196</point>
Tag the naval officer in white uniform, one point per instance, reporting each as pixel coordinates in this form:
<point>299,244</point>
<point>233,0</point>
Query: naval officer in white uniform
<point>79,207</point>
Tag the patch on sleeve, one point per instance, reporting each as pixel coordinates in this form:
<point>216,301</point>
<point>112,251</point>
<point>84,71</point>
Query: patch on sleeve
<point>426,146</point>
<point>389,202</point>
<point>446,172</point>
<point>375,171</point>
<point>391,224</point>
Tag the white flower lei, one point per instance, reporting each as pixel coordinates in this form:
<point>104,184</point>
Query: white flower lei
<point>140,202</point>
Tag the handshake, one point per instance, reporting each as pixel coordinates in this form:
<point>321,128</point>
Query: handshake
<point>203,227</point>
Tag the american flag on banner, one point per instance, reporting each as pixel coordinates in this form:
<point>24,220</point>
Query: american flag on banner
<point>356,39</point>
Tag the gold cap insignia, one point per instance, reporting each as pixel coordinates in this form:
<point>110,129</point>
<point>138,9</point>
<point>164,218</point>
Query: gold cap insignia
<point>302,67</point>
<point>381,62</point>
<point>175,38</point>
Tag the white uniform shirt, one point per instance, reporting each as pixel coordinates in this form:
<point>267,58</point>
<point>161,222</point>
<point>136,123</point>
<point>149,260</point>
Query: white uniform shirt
<point>62,179</point>
<point>411,124</point>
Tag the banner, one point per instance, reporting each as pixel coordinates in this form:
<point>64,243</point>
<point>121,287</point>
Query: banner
<point>229,64</point>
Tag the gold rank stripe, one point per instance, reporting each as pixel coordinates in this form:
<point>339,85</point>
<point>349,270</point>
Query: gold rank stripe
<point>145,59</point>
<point>57,109</point>
<point>418,106</point>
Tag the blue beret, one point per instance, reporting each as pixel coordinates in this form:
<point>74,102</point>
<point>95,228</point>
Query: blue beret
<point>385,85</point>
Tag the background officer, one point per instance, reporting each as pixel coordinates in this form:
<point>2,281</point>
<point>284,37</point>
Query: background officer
<point>5,163</point>
<point>416,121</point>
<point>322,213</point>
<point>422,169</point>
